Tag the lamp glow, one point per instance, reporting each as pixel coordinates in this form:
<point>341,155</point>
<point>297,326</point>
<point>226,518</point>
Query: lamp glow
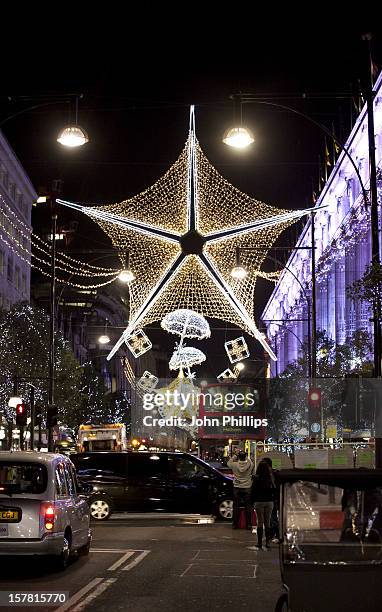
<point>14,401</point>
<point>238,137</point>
<point>73,136</point>
<point>126,276</point>
<point>240,366</point>
<point>104,339</point>
<point>239,272</point>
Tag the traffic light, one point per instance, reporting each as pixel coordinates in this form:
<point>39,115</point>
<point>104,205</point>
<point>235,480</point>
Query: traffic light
<point>21,415</point>
<point>314,397</point>
<point>314,405</point>
<point>51,416</point>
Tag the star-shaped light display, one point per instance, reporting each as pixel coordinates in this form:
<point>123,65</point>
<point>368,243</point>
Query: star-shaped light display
<point>182,234</point>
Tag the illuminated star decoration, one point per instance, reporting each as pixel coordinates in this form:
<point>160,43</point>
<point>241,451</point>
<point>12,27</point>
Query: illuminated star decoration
<point>182,234</point>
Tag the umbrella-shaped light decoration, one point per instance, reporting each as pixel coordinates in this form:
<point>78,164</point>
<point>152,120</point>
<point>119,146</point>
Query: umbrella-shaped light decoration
<point>186,324</point>
<point>185,358</point>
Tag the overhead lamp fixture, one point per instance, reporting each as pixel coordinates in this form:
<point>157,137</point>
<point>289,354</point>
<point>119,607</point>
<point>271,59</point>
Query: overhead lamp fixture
<point>240,366</point>
<point>73,135</point>
<point>238,272</point>
<point>104,338</point>
<point>126,275</point>
<point>238,137</point>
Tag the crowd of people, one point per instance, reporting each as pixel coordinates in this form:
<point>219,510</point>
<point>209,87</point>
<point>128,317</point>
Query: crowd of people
<point>255,490</point>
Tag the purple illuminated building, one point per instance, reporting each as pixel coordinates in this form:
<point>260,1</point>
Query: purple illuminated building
<point>343,250</point>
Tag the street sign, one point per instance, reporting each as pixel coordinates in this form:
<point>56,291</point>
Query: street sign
<point>331,430</point>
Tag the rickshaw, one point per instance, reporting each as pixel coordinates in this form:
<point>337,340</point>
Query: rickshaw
<point>331,540</point>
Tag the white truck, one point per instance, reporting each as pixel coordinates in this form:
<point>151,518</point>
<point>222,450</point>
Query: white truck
<point>108,437</point>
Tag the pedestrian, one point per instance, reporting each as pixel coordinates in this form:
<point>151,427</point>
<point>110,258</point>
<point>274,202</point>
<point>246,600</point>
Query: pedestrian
<point>242,469</point>
<point>275,529</point>
<point>263,495</point>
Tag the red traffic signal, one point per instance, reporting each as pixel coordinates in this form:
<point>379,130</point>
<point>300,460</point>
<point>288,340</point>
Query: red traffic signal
<point>21,415</point>
<point>314,397</point>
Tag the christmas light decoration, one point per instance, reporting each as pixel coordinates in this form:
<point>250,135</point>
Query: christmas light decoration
<point>182,234</point>
<point>128,371</point>
<point>170,406</point>
<point>186,357</point>
<point>138,343</point>
<point>148,381</point>
<point>237,349</point>
<point>186,324</point>
<point>226,375</point>
<point>16,235</point>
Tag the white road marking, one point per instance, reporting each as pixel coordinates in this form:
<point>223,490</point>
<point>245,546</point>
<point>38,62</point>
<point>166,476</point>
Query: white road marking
<point>115,550</point>
<point>74,598</point>
<point>210,562</point>
<point>186,570</point>
<point>97,591</point>
<point>225,576</point>
<point>101,584</point>
<point>137,560</point>
<point>196,555</point>
<point>118,563</point>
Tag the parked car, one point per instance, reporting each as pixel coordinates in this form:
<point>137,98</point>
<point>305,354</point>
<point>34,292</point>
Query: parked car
<point>153,481</point>
<point>42,511</point>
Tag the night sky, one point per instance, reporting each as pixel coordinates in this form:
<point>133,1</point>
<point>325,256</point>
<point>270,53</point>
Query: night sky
<point>138,81</point>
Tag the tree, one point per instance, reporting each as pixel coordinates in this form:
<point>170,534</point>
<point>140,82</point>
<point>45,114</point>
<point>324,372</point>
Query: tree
<point>288,407</point>
<point>24,347</point>
<point>80,391</point>
<point>368,288</point>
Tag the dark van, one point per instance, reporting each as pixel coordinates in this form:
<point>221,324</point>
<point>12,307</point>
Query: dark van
<point>153,481</point>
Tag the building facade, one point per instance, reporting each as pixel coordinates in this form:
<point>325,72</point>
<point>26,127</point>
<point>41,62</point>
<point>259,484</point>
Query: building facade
<point>342,252</point>
<point>16,197</point>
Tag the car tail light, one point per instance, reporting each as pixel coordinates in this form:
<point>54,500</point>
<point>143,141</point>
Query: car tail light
<point>49,517</point>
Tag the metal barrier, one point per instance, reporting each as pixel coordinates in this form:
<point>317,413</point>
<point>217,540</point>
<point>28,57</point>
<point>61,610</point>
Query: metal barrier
<point>337,454</point>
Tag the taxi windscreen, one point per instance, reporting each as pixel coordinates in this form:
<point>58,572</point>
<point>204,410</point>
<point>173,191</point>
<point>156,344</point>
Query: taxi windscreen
<point>22,477</point>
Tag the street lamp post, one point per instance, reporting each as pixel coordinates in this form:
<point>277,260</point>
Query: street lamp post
<point>52,368</point>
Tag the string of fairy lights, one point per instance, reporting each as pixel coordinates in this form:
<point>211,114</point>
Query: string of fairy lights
<point>20,240</point>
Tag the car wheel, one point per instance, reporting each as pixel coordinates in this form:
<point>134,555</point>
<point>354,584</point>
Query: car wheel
<point>100,508</point>
<point>62,560</point>
<point>225,509</point>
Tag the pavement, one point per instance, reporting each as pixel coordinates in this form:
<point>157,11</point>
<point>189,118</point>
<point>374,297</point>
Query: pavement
<point>148,565</point>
